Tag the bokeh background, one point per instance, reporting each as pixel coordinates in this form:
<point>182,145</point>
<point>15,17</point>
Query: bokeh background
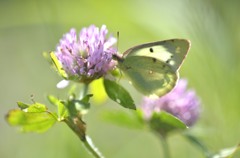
<point>29,27</point>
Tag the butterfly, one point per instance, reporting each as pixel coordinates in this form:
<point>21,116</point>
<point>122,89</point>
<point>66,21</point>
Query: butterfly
<point>152,68</point>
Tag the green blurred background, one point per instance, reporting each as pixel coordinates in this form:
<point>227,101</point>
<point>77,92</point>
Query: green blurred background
<point>29,27</point>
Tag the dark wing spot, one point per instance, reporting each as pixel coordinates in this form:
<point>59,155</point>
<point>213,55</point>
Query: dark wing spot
<point>154,60</point>
<point>168,61</point>
<point>171,56</point>
<point>151,50</point>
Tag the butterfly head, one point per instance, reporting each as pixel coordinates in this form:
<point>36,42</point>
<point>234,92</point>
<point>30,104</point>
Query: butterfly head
<point>118,57</point>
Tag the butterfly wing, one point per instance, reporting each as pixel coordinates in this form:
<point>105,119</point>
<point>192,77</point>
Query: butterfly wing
<point>172,52</point>
<point>149,76</point>
<point>152,67</point>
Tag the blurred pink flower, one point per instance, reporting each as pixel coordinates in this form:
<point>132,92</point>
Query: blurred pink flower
<point>180,102</point>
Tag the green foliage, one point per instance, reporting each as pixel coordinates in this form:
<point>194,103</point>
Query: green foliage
<point>164,123</point>
<point>118,94</point>
<point>61,110</point>
<point>22,105</point>
<point>78,107</point>
<point>36,107</point>
<point>37,118</point>
<point>31,118</point>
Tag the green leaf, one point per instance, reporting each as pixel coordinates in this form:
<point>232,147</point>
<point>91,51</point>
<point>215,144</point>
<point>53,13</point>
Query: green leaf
<point>62,111</point>
<point>86,99</point>
<point>118,94</point>
<point>228,152</point>
<point>22,105</point>
<point>36,107</point>
<point>76,107</point>
<point>129,120</point>
<point>31,121</point>
<point>31,118</point>
<point>163,123</point>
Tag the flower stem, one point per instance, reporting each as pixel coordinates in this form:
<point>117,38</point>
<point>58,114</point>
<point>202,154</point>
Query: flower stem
<point>165,146</point>
<point>84,91</point>
<point>78,126</point>
<point>91,148</point>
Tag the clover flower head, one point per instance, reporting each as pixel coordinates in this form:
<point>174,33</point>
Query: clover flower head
<point>88,55</point>
<point>180,102</point>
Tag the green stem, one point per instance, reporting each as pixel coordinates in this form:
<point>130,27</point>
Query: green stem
<point>165,146</point>
<point>91,148</point>
<point>79,128</point>
<point>83,91</point>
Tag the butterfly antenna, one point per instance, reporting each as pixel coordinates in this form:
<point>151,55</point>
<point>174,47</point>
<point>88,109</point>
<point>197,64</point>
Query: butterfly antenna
<point>120,72</point>
<point>117,40</point>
